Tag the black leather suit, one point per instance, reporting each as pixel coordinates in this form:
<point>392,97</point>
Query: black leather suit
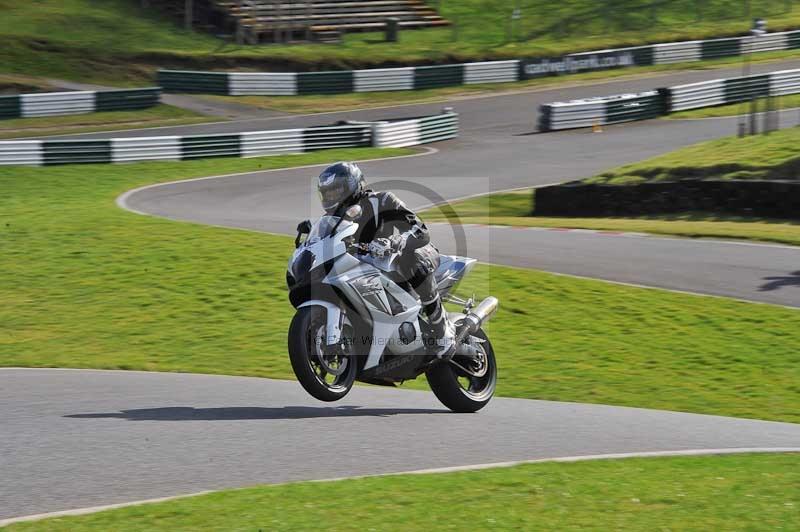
<point>382,215</point>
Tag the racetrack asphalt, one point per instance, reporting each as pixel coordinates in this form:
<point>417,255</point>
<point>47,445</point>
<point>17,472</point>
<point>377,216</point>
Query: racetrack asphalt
<point>74,439</point>
<point>497,150</point>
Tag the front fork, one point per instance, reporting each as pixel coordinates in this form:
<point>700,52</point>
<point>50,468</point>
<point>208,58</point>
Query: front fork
<point>334,320</point>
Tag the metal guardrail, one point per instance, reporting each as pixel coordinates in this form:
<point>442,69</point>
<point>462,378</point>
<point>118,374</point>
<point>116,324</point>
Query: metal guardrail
<point>600,111</point>
<point>249,144</point>
<point>784,82</point>
<point>732,90</point>
<point>423,130</point>
<point>696,95</point>
<point>337,82</point>
<point>383,79</point>
<point>77,102</point>
<point>426,77</point>
<point>629,107</point>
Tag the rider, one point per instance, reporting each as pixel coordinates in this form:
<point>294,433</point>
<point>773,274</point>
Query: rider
<point>387,225</point>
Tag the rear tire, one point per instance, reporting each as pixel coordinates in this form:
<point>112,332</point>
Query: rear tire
<point>304,332</point>
<point>444,380</point>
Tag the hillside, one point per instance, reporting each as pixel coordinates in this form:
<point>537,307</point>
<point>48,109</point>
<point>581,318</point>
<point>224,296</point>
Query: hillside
<point>115,40</point>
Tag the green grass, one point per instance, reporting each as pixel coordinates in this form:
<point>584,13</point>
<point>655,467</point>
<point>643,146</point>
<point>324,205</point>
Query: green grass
<point>158,116</point>
<point>784,102</point>
<point>775,156</point>
<point>514,208</point>
<point>87,285</point>
<point>116,40</point>
<point>736,492</point>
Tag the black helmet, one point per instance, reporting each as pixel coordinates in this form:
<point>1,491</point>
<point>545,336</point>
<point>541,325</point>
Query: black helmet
<point>339,183</point>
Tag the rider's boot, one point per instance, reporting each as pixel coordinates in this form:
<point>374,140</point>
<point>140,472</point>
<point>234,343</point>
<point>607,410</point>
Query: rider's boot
<point>445,344</point>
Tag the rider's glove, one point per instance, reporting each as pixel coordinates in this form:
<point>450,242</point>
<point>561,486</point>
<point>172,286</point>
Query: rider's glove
<point>380,247</point>
<point>399,241</point>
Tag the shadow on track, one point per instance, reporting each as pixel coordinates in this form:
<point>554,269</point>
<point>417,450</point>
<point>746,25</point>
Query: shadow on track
<point>187,413</point>
<point>776,283</point>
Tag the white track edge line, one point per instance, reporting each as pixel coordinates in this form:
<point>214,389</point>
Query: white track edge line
<point>646,286</point>
<point>122,199</point>
<point>432,471</point>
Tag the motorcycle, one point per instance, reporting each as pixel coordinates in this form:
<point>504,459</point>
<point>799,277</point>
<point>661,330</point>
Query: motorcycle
<point>358,320</point>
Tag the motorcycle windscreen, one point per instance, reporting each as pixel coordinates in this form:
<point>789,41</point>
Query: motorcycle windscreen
<point>322,229</point>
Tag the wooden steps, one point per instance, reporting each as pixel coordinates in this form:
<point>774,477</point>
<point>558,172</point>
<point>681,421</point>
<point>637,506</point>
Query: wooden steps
<point>320,20</point>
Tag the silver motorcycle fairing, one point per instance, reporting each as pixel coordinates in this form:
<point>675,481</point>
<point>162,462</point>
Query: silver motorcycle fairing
<point>324,249</point>
<point>327,248</point>
<point>452,268</point>
<point>368,286</point>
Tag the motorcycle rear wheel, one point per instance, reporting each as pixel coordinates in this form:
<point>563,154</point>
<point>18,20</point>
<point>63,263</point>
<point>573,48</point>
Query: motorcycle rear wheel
<point>311,360</point>
<point>459,391</point>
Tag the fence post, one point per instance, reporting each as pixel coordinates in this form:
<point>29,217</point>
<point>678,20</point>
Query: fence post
<point>278,30</point>
<point>188,14</point>
<point>309,19</point>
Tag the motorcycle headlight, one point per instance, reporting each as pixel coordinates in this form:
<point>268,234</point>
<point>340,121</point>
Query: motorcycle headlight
<point>302,265</point>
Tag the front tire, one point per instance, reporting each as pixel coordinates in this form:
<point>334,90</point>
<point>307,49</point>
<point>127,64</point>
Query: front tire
<point>459,391</point>
<point>312,363</point>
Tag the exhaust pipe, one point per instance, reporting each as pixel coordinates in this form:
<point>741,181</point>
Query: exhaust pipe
<point>477,317</point>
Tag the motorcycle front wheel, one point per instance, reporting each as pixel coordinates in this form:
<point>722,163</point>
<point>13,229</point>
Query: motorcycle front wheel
<point>461,391</point>
<point>325,372</point>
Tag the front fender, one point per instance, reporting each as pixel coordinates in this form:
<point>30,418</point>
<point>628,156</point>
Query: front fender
<point>333,328</point>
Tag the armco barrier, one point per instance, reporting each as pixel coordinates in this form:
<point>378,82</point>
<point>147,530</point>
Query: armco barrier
<point>600,111</point>
<point>423,130</point>
<point>250,144</point>
<point>630,107</point>
<point>251,83</point>
<point>784,82</point>
<point>383,79</point>
<point>77,102</point>
<point>696,95</point>
<point>733,90</point>
<point>426,77</point>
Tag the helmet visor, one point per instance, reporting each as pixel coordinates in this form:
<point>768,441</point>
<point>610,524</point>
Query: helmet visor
<point>332,195</point>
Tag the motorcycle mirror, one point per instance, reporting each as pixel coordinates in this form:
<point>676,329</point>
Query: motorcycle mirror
<point>353,212</point>
<point>304,227</point>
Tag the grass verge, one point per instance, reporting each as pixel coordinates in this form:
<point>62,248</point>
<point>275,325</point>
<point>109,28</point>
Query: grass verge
<point>87,285</point>
<point>791,101</point>
<point>759,157</point>
<point>735,492</point>
<point>157,116</point>
<point>773,156</point>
